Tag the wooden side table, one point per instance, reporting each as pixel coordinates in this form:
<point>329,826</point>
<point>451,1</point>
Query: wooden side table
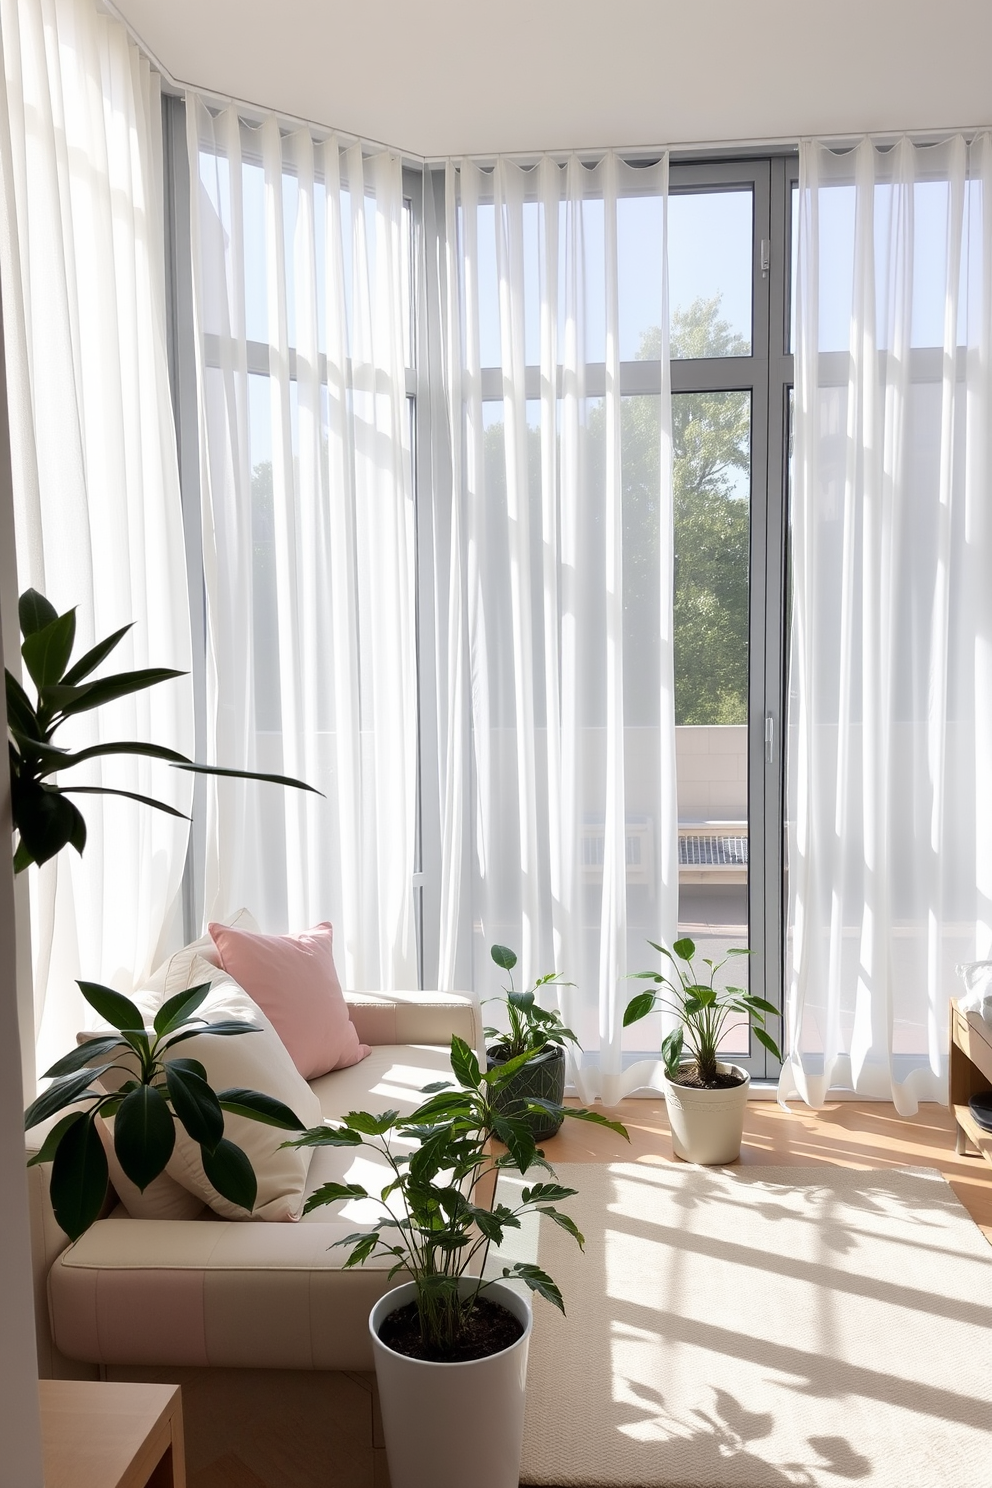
<point>971,1073</point>
<point>97,1434</point>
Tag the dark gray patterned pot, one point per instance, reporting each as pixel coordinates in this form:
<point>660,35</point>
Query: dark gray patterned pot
<point>542,1078</point>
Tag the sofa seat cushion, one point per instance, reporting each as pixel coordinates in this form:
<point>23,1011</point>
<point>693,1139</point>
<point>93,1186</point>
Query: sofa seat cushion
<point>264,1296</point>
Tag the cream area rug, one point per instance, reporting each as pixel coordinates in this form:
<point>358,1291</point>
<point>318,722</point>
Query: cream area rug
<point>758,1327</point>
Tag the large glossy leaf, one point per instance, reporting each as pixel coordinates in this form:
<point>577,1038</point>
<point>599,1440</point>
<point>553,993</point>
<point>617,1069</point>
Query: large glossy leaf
<point>503,957</point>
<point>50,1145</point>
<point>685,948</point>
<point>46,821</point>
<point>516,1137</point>
<point>35,612</point>
<point>196,1105</point>
<point>369,1125</point>
<point>231,1174</point>
<point>230,1028</point>
<point>127,746</point>
<point>465,1064</point>
<point>33,749</point>
<point>60,1093</point>
<point>578,1113</point>
<point>564,1222</point>
<point>671,1051</point>
<point>118,1010</point>
<point>175,1010</point>
<point>250,775</point>
<point>105,790</point>
<point>638,1007</point>
<point>79,1177</point>
<point>20,713</point>
<point>46,652</point>
<point>84,1054</point>
<point>68,700</point>
<point>327,1136</point>
<point>92,659</point>
<point>144,1134</point>
<point>539,1281</point>
<point>259,1107</point>
<point>768,1041</point>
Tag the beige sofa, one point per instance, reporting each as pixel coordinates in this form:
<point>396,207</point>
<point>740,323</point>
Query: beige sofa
<point>174,1295</point>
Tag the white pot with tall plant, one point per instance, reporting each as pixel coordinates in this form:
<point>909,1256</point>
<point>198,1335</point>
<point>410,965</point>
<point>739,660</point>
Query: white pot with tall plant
<point>450,1345</point>
<point>705,1096</point>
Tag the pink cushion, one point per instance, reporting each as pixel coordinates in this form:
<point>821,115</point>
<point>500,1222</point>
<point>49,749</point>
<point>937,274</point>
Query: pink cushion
<point>292,978</point>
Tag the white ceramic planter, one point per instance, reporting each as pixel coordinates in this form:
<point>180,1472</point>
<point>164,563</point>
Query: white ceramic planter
<point>452,1425</point>
<point>707,1125</point>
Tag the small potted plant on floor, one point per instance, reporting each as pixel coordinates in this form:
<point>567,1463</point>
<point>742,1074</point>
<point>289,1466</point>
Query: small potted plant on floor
<point>538,1032</point>
<point>450,1348</point>
<point>705,1097</point>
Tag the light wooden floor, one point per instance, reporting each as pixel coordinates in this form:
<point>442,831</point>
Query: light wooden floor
<point>846,1134</point>
<point>241,1434</point>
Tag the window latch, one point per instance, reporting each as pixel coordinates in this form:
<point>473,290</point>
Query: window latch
<point>766,257</point>
<point>769,739</point>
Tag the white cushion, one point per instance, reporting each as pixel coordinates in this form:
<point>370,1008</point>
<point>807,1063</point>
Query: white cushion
<point>261,1062</point>
<point>977,997</point>
<point>172,975</point>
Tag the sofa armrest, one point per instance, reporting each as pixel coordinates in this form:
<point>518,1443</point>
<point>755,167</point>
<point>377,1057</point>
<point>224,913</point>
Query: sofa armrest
<point>48,1241</point>
<point>415,1017</point>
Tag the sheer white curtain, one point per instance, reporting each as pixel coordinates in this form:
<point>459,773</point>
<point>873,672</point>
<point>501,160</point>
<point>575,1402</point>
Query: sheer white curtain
<point>300,264</point>
<point>96,487</point>
<point>554,564</point>
<point>890,767</point>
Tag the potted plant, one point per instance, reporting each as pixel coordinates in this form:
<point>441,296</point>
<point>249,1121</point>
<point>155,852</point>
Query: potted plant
<point>450,1348</point>
<point>44,817</point>
<point>705,1096</point>
<point>151,1094</point>
<point>539,1032</point>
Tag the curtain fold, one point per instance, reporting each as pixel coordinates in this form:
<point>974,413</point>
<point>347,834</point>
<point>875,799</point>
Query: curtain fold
<point>300,286</point>
<point>96,487</point>
<point>553,565</point>
<point>890,749</point>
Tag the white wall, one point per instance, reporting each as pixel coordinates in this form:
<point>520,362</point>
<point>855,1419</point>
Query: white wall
<point>20,1439</point>
<point>438,77</point>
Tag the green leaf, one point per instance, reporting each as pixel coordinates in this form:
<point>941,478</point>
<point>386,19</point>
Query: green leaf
<point>82,1055</point>
<point>638,1007</point>
<point>231,1174</point>
<point>435,1085</point>
<point>565,1222</point>
<point>35,612</point>
<point>768,1041</point>
<point>327,1136</point>
<point>516,1137</point>
<point>464,1064</point>
<point>684,948</point>
<point>46,652</point>
<point>490,1226</point>
<point>20,713</point>
<point>106,790</point>
<point>737,951</point>
<point>196,1105</point>
<point>250,775</point>
<point>112,1006</point>
<point>61,1093</point>
<point>503,956</point>
<point>760,1003</point>
<point>144,1134</point>
<point>79,1177</point>
<point>366,1245</point>
<point>227,1028</point>
<point>671,1051</point>
<point>597,1119</point>
<point>69,700</point>
<point>92,659</point>
<point>241,1101</point>
<point>32,748</point>
<point>369,1125</point>
<point>46,821</point>
<point>50,1145</point>
<point>178,1009</point>
<point>151,751</point>
<point>547,1193</point>
<point>539,1281</point>
<point>22,858</point>
<point>522,1000</point>
<point>329,1193</point>
<point>663,949</point>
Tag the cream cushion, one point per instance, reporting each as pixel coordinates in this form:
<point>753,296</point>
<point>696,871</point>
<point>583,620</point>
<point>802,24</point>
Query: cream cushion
<point>261,1062</point>
<point>164,1198</point>
<point>173,974</point>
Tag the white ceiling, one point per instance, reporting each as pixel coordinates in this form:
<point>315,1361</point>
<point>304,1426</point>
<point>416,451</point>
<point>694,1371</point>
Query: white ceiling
<point>439,77</point>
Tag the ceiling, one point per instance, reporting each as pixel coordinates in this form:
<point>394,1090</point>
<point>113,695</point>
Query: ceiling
<point>439,77</point>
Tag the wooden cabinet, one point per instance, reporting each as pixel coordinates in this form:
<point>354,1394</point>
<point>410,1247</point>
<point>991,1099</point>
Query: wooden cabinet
<point>971,1073</point>
<point>97,1434</point>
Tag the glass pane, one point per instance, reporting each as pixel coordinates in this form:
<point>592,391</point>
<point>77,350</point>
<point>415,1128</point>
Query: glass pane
<point>710,254</point>
<point>712,475</point>
<point>640,266</point>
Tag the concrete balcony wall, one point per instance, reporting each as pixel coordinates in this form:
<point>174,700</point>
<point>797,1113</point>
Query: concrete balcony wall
<point>711,761</point>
